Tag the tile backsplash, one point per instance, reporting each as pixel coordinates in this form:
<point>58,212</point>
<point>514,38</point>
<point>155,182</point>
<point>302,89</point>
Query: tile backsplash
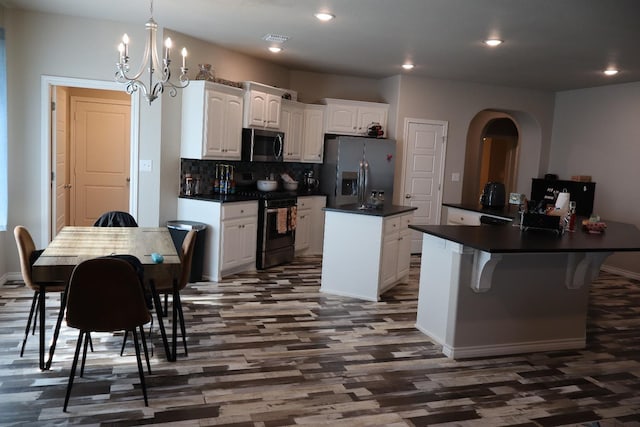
<point>205,170</point>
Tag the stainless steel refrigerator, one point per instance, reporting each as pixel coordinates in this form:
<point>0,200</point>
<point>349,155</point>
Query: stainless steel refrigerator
<point>355,166</point>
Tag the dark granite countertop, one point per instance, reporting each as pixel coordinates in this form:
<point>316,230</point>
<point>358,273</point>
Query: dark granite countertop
<point>231,198</point>
<point>618,237</point>
<point>508,211</point>
<point>386,210</point>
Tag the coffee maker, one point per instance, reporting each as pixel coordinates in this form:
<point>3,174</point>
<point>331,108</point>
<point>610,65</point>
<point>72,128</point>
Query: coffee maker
<point>309,182</point>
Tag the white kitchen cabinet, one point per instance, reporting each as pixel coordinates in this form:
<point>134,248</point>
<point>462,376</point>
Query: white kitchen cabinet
<point>310,225</point>
<point>292,124</point>
<point>365,255</point>
<point>211,121</point>
<point>230,236</point>
<point>346,117</point>
<point>313,146</point>
<point>457,216</point>
<point>262,106</point>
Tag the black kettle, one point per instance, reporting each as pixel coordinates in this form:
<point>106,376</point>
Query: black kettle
<point>493,195</point>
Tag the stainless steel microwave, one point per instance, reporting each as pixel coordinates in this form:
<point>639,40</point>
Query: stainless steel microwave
<point>259,145</point>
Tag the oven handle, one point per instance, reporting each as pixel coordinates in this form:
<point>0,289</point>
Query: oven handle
<point>274,210</point>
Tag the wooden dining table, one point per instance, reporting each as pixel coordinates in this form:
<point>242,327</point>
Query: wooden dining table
<point>72,245</point>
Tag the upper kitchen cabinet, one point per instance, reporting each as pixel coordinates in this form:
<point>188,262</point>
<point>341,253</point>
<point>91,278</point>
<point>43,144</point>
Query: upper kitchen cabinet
<point>262,106</point>
<point>313,146</point>
<point>292,124</point>
<point>346,117</point>
<point>211,121</point>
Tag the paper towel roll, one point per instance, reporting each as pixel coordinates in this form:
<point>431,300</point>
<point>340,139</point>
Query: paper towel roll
<point>562,204</point>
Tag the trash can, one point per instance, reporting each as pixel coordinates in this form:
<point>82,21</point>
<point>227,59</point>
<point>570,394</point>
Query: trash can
<point>179,230</point>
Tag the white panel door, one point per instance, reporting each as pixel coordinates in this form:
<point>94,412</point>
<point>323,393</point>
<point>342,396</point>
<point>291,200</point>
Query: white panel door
<point>425,142</point>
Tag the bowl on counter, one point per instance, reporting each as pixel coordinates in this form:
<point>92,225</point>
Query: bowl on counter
<point>267,185</point>
<point>290,186</point>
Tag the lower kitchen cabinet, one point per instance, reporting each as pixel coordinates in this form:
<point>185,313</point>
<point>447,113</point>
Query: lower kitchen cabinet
<point>365,255</point>
<point>310,225</point>
<point>230,241</point>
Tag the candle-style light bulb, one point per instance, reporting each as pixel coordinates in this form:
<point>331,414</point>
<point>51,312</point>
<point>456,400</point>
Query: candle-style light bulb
<point>121,51</point>
<point>167,45</point>
<point>125,42</point>
<point>184,57</point>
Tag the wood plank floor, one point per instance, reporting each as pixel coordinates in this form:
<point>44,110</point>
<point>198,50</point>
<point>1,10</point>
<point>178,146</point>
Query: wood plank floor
<point>267,349</point>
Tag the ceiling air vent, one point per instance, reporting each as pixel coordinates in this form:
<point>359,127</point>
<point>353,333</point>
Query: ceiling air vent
<point>275,38</point>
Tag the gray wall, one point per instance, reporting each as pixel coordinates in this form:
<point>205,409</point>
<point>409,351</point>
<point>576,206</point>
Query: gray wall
<point>596,132</point>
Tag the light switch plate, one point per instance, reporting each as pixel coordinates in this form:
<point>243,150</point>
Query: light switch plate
<point>145,165</point>
<point>455,177</point>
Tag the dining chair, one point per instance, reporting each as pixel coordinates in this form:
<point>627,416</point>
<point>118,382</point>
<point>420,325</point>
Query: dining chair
<point>115,219</point>
<point>105,295</point>
<point>28,255</point>
<point>173,288</point>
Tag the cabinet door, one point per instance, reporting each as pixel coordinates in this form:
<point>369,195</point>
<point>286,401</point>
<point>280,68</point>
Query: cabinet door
<point>368,115</point>
<point>303,229</point>
<point>249,230</point>
<point>389,263</point>
<point>291,123</point>
<point>341,119</point>
<point>257,108</point>
<point>232,139</point>
<point>214,109</point>
<point>232,242</point>
<point>404,253</point>
<point>272,111</point>
<point>313,136</point>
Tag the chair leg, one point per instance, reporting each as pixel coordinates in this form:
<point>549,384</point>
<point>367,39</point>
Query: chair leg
<point>140,370</point>
<point>26,331</point>
<point>56,331</point>
<point>124,341</point>
<point>87,338</point>
<point>177,301</point>
<point>35,313</point>
<point>42,309</point>
<point>144,346</point>
<point>73,370</point>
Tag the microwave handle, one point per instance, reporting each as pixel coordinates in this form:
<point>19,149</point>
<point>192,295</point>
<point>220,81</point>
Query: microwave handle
<point>277,152</point>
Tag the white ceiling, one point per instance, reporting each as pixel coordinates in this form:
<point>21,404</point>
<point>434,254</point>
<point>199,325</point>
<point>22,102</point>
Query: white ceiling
<point>549,44</point>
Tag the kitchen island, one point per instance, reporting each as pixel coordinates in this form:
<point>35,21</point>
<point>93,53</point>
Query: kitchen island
<point>495,290</point>
<point>366,251</point>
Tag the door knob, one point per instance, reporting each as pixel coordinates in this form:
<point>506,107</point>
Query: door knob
<point>407,196</point>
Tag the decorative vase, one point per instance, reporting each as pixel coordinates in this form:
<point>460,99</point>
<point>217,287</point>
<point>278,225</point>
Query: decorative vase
<point>205,73</point>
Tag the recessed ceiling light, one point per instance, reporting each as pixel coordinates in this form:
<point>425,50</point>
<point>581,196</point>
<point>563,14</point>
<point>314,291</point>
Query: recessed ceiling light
<point>275,49</point>
<point>610,72</point>
<point>493,42</point>
<point>407,66</point>
<point>324,16</point>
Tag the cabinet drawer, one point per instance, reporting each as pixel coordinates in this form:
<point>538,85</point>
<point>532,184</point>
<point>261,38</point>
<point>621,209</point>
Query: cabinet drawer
<point>405,221</point>
<point>392,225</point>
<point>304,203</point>
<point>239,210</point>
<point>461,217</point>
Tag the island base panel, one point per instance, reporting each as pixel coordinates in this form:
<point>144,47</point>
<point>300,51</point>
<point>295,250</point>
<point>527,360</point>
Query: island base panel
<point>527,308</point>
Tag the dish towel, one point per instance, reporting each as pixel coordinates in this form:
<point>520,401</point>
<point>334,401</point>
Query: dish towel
<point>293,218</point>
<point>281,220</point>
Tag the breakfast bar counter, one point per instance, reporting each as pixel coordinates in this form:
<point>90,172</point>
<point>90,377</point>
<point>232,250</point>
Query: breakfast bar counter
<point>494,290</point>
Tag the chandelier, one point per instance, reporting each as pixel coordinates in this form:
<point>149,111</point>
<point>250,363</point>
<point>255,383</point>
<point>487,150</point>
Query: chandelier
<point>158,75</point>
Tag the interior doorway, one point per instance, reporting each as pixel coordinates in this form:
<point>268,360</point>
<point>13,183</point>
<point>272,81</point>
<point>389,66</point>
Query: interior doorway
<point>58,181</point>
<point>423,172</point>
<point>492,153</point>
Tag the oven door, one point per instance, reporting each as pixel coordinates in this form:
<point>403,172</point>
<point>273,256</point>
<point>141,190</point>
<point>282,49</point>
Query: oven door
<point>278,236</point>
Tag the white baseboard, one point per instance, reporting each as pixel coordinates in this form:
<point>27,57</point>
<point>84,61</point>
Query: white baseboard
<point>10,277</point>
<point>513,348</point>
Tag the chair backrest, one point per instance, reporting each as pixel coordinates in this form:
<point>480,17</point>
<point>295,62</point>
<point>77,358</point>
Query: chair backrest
<point>186,257</point>
<point>115,219</point>
<point>26,249</point>
<point>105,294</point>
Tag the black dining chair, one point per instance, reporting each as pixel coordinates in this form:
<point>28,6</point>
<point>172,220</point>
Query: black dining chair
<point>115,219</point>
<point>105,295</point>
